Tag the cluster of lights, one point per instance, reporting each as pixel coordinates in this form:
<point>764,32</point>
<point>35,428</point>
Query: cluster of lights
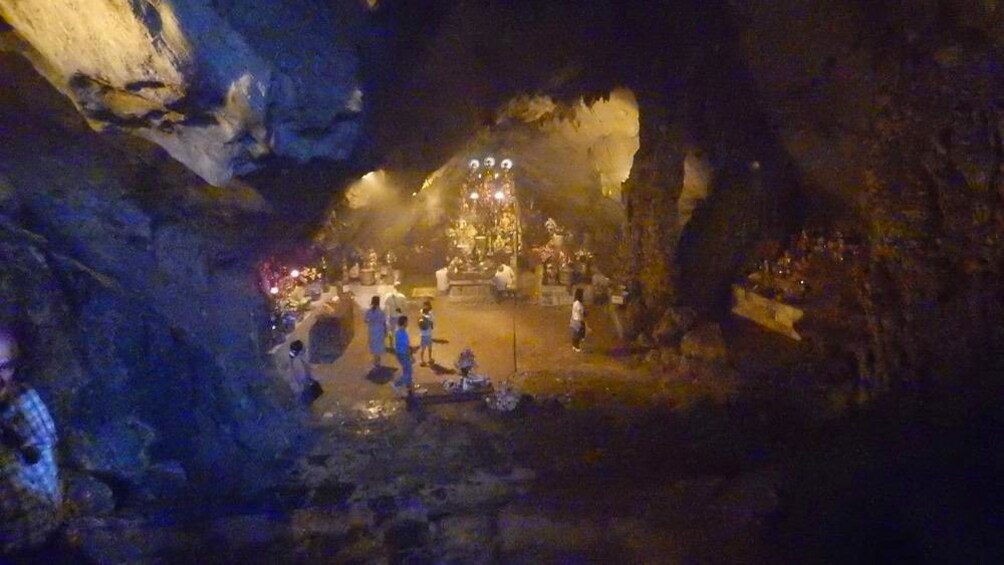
<point>274,290</point>
<point>489,205</point>
<point>474,164</point>
<point>489,162</point>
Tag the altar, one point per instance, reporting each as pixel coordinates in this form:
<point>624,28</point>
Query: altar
<point>469,281</point>
<point>486,225</point>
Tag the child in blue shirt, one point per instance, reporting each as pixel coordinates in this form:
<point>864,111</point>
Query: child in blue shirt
<point>402,349</point>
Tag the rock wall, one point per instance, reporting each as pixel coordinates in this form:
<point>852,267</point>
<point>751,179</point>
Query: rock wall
<point>219,85</point>
<point>696,97</point>
<point>882,120</point>
<point>133,288</point>
<point>891,114</point>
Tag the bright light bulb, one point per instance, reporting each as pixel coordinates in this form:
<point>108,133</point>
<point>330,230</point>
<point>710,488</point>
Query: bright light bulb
<point>474,196</point>
<point>507,164</point>
<point>274,290</point>
<point>474,164</point>
<point>294,273</point>
<point>499,195</point>
<point>489,161</point>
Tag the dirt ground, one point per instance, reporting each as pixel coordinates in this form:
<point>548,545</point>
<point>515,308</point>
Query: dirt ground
<point>602,463</point>
<point>543,353</point>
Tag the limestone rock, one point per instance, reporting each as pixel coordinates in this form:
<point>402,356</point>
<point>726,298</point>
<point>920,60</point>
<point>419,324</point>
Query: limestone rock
<point>407,540</point>
<point>522,532</point>
<point>745,500</point>
<point>210,82</point>
<point>118,449</point>
<point>653,358</point>
<point>86,495</point>
<point>463,539</point>
<point>644,341</point>
<point>670,358</point>
<point>248,530</point>
<point>704,342</point>
<point>674,323</point>
<point>478,489</point>
<point>118,540</point>
<point>165,480</point>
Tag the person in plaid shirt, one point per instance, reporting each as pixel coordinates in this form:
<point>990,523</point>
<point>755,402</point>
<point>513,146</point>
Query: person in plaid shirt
<point>30,495</point>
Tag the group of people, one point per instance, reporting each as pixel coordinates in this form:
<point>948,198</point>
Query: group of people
<point>390,324</point>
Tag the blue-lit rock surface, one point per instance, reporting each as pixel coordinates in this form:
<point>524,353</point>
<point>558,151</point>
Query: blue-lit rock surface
<point>138,304</point>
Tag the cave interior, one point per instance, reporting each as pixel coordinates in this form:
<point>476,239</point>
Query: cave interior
<point>788,218</point>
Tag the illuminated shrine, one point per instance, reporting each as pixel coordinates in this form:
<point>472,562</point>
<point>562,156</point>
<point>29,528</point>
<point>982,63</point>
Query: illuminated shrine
<point>486,230</point>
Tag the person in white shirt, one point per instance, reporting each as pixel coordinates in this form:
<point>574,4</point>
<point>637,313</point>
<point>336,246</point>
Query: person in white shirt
<point>577,325</point>
<point>394,306</point>
<point>504,281</point>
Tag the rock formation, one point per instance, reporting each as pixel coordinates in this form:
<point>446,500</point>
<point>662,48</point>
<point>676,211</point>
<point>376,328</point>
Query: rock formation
<point>131,283</point>
<point>219,85</point>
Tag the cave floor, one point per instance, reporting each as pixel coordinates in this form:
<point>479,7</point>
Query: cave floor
<point>545,364</point>
<point>567,477</point>
<point>606,462</point>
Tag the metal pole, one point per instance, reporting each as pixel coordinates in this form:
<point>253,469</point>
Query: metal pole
<point>515,294</point>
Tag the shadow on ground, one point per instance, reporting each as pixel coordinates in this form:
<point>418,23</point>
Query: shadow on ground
<point>381,375</point>
<point>440,370</point>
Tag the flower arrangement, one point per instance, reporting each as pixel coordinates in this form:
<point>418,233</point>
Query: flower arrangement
<point>546,253</point>
<point>504,399</point>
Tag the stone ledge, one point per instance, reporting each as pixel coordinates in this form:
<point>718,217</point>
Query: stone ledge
<point>775,316</point>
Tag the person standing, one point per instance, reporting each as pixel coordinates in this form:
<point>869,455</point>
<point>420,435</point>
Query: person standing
<point>425,324</point>
<point>505,281</point>
<point>376,324</point>
<point>577,325</point>
<point>394,305</point>
<point>301,379</point>
<point>30,495</point>
<point>402,348</point>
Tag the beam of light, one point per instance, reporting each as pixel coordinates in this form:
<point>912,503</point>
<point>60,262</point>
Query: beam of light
<point>499,195</point>
<point>475,196</point>
<point>294,273</point>
<point>273,290</point>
